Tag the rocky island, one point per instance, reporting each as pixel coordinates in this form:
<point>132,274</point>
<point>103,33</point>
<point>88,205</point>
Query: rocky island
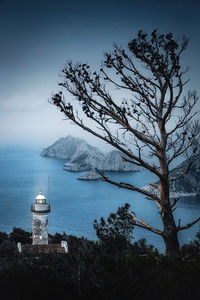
<point>92,175</point>
<point>81,156</point>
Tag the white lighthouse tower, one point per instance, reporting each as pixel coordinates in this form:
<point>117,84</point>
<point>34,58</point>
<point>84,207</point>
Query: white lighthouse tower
<point>40,210</point>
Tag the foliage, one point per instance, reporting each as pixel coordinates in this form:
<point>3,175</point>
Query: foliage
<point>192,250</point>
<point>57,238</point>
<point>118,227</point>
<point>87,272</point>
<point>7,248</point>
<point>3,236</point>
<point>20,235</point>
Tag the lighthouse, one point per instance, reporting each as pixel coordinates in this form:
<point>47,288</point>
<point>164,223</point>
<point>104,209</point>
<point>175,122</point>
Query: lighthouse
<point>40,210</point>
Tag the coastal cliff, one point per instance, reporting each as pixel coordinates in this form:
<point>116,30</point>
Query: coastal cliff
<point>81,156</point>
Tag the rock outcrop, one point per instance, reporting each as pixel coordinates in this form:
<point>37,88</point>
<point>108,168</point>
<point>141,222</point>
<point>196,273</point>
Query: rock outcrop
<point>68,148</point>
<point>111,161</point>
<point>81,156</point>
<point>92,175</point>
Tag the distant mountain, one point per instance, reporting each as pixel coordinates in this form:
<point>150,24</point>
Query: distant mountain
<point>189,185</point>
<point>67,148</point>
<point>81,156</point>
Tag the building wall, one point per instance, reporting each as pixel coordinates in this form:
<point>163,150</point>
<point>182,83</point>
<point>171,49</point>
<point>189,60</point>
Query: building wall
<point>40,229</point>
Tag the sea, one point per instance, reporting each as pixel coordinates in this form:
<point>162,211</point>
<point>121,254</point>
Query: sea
<point>76,204</point>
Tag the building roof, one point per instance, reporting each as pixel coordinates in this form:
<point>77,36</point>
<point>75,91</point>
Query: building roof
<point>43,249</point>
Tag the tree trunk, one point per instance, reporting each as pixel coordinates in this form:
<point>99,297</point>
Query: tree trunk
<point>170,234</point>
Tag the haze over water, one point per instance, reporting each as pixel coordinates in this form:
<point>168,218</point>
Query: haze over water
<point>75,204</point>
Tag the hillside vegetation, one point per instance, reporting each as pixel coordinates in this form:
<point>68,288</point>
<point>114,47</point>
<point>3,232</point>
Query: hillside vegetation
<point>113,267</point>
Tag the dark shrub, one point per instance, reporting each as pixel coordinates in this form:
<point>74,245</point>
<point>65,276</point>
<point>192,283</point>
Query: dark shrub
<point>8,249</point>
<point>3,236</point>
<point>20,235</point>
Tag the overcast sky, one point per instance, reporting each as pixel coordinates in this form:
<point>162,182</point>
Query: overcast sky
<point>38,37</point>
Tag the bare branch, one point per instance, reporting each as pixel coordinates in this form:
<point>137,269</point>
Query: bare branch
<point>142,224</point>
<point>187,168</point>
<point>188,225</point>
<point>130,187</point>
<point>175,201</point>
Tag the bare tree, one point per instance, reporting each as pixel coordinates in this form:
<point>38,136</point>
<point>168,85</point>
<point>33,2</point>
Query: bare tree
<point>152,120</point>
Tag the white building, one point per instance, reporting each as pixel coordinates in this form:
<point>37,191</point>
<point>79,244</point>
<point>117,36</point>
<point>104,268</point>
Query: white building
<point>40,210</point>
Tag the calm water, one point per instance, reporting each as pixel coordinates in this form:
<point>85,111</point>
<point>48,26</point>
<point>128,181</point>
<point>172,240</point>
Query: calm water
<point>75,204</point>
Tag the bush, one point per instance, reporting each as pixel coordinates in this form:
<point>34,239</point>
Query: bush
<point>191,250</point>
<point>8,249</point>
<point>20,235</point>
<point>118,228</point>
<point>57,238</point>
<point>3,236</point>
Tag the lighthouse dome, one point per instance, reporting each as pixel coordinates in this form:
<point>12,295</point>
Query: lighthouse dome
<point>40,198</point>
